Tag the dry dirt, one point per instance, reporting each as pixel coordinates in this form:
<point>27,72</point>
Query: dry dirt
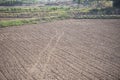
<point>86,49</point>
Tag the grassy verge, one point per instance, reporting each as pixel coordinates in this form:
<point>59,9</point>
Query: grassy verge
<point>17,22</point>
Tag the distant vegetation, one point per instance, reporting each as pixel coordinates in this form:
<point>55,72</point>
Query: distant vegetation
<point>14,16</point>
<point>28,15</point>
<point>16,2</point>
<point>116,3</point>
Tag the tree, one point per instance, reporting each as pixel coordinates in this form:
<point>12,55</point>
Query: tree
<point>116,3</point>
<point>17,2</point>
<point>78,2</point>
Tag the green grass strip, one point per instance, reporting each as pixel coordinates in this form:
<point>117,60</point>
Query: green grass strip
<point>17,22</point>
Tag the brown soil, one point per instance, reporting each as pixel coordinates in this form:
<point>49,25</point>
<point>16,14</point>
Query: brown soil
<point>86,49</point>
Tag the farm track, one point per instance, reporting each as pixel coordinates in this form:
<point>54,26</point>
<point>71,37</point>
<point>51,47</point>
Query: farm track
<point>85,49</point>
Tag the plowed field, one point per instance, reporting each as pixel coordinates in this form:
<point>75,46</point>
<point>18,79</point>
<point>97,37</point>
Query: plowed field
<point>85,49</point>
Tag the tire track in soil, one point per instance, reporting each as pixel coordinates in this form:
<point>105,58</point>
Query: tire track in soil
<point>32,69</point>
<point>50,55</point>
<point>49,48</point>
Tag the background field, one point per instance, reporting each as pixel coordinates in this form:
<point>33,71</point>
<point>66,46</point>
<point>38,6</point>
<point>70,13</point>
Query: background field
<point>27,15</point>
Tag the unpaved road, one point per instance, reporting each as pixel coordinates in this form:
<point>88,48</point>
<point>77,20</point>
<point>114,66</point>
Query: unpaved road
<point>86,49</point>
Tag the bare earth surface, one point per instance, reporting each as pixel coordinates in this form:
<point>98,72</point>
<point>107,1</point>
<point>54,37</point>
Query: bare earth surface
<point>86,49</point>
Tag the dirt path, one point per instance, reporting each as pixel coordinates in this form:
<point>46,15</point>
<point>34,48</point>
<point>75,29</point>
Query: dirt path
<point>86,49</point>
